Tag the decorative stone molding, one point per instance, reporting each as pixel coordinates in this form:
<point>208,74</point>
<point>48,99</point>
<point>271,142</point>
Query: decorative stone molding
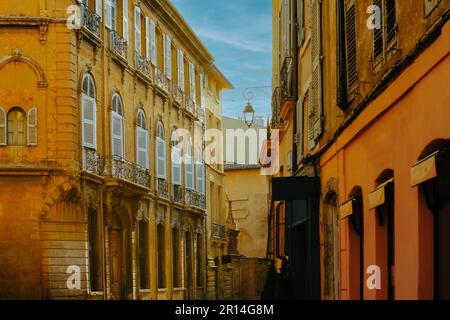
<point>160,218</point>
<point>18,56</point>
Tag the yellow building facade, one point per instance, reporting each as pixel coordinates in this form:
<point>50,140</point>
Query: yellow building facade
<point>98,102</point>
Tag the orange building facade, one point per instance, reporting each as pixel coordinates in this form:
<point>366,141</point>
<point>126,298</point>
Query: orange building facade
<point>366,110</point>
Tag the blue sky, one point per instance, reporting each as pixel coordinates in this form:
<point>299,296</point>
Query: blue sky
<point>239,35</point>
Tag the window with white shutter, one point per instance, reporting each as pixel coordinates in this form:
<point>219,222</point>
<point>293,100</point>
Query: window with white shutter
<point>142,140</point>
<point>180,70</point>
<point>99,7</point>
<point>153,48</point>
<point>202,90</point>
<point>192,92</point>
<point>161,171</point>
<point>124,19</point>
<point>176,159</point>
<point>137,29</point>
<point>148,48</point>
<point>199,172</point>
<point>189,167</point>
<point>108,14</point>
<point>315,101</point>
<point>32,127</point>
<point>168,71</point>
<point>117,127</point>
<point>88,113</point>
<point>2,127</point>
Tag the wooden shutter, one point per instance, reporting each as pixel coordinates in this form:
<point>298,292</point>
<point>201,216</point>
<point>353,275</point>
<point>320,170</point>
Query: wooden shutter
<point>2,127</point>
<point>429,6</point>
<point>99,7</point>
<point>142,147</point>
<point>125,19</point>
<point>153,54</point>
<point>164,54</point>
<point>350,45</point>
<point>176,166</point>
<point>168,57</point>
<point>32,127</point>
<point>299,136</point>
<point>180,70</point>
<point>160,158</point>
<point>200,178</point>
<point>88,110</point>
<point>300,21</point>
<point>315,101</point>
<point>117,134</point>
<point>378,33</point>
<point>391,21</point>
<point>189,169</point>
<point>285,29</point>
<point>137,29</point>
<point>148,46</point>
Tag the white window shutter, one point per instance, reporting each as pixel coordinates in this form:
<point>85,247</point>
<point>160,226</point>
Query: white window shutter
<point>148,48</point>
<point>200,178</point>
<point>89,124</point>
<point>117,135</point>
<point>160,158</point>
<point>169,57</point>
<point>192,93</point>
<point>153,49</point>
<point>108,13</point>
<point>125,19</point>
<point>176,166</point>
<point>316,47</point>
<point>142,147</point>
<point>202,90</point>
<point>189,171</point>
<point>2,127</point>
<point>99,7</point>
<point>181,70</point>
<point>137,29</point>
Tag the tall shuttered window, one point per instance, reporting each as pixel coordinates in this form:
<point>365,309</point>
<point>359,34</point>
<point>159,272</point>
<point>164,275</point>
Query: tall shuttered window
<point>384,37</point>
<point>176,160</point>
<point>117,127</point>
<point>189,166</point>
<point>137,30</point>
<point>142,140</point>
<point>16,127</point>
<point>89,113</point>
<point>160,152</point>
<point>32,132</point>
<point>199,171</point>
<point>350,45</point>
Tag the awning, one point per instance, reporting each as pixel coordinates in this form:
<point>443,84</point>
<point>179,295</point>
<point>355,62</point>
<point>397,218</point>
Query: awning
<point>294,188</point>
<point>424,170</point>
<point>378,196</point>
<point>346,210</point>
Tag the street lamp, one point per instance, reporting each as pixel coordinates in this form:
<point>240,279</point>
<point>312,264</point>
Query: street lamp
<point>249,114</point>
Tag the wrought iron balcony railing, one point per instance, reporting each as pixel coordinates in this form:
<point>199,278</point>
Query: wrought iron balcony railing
<point>189,197</point>
<point>143,65</point>
<point>90,20</point>
<point>177,95</point>
<point>118,45</point>
<point>287,80</point>
<point>178,195</point>
<point>222,232</point>
<point>162,188</point>
<point>161,80</point>
<point>190,105</point>
<point>119,168</point>
<point>200,114</point>
<point>276,106</point>
<point>199,201</point>
<point>92,161</point>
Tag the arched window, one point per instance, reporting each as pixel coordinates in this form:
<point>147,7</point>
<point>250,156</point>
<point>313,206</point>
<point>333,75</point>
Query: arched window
<point>117,127</point>
<point>160,152</point>
<point>89,113</point>
<point>199,171</point>
<point>189,165</point>
<point>176,159</point>
<point>16,127</point>
<point>142,140</point>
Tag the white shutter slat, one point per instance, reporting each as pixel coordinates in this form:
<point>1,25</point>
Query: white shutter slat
<point>169,58</point>
<point>88,116</point>
<point>202,91</point>
<point>154,57</point>
<point>200,178</point>
<point>192,93</point>
<point>125,19</point>
<point>147,39</point>
<point>181,70</point>
<point>137,29</point>
<point>142,147</point>
<point>117,135</point>
<point>189,169</point>
<point>2,127</point>
<point>160,158</point>
<point>176,166</point>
